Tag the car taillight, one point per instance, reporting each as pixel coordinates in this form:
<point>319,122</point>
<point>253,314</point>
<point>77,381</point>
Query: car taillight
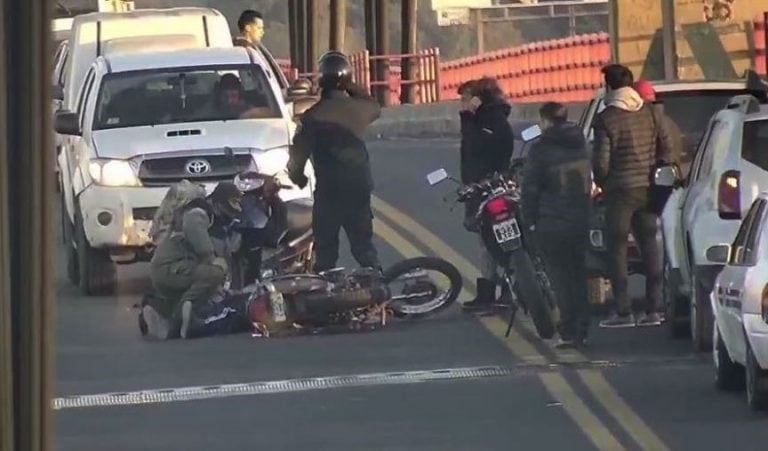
<point>496,207</point>
<point>764,304</point>
<point>729,195</point>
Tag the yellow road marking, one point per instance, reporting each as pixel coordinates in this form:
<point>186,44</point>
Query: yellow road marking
<point>594,380</point>
<point>640,432</point>
<point>594,429</point>
<point>405,248</point>
<point>554,383</point>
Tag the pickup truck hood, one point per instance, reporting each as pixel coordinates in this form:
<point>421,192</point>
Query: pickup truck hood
<point>126,143</point>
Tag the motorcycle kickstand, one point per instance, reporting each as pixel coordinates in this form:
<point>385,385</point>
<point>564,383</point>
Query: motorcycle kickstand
<point>513,308</point>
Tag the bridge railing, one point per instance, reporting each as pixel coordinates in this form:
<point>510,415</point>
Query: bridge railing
<point>561,69</point>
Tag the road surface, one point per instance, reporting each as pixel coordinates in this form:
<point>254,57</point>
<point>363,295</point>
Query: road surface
<point>631,389</point>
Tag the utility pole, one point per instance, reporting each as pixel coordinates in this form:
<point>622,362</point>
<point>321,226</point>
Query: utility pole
<point>338,24</point>
<point>669,39</point>
<point>293,38</point>
<point>301,35</point>
<point>409,18</point>
<point>313,30</point>
<point>27,290</point>
<point>382,48</point>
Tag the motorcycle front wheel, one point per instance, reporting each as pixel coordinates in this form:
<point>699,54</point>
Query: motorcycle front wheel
<point>532,294</point>
<point>421,294</point>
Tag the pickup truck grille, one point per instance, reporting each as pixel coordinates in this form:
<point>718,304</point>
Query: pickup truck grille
<point>212,168</point>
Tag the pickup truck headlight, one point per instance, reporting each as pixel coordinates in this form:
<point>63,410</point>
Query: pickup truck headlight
<point>113,173</point>
<point>274,161</point>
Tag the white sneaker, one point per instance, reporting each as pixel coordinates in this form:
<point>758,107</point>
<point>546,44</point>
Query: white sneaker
<point>157,326</point>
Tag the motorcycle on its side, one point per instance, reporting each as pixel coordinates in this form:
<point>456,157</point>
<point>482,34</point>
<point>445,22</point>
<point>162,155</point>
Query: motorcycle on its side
<point>509,243</point>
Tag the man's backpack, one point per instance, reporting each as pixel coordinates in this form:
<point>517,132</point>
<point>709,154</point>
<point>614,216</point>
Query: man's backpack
<point>175,199</point>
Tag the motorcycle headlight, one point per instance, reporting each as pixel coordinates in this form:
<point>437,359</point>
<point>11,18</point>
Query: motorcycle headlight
<point>113,173</point>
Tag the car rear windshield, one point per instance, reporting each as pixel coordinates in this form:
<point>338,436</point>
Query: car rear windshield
<point>691,111</point>
<point>754,144</point>
<point>172,96</point>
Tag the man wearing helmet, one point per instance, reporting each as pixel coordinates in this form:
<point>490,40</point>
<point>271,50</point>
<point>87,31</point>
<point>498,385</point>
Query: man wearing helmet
<point>189,266</point>
<point>332,133</point>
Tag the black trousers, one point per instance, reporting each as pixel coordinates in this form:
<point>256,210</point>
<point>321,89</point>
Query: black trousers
<point>631,210</point>
<point>329,216</point>
<point>564,252</point>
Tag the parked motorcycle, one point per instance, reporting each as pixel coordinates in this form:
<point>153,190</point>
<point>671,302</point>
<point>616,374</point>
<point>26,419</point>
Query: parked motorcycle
<point>276,235</point>
<point>500,226</point>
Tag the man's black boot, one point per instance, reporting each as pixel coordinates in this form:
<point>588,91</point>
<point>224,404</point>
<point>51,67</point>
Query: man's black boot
<point>486,296</point>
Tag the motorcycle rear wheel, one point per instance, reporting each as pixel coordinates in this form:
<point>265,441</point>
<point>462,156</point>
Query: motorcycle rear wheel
<point>440,300</point>
<point>532,294</point>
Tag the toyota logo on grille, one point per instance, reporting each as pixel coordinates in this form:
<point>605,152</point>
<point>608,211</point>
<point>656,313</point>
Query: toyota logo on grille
<point>198,167</point>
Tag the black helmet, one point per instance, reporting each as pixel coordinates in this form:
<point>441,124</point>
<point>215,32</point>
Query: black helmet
<point>226,199</point>
<point>335,71</point>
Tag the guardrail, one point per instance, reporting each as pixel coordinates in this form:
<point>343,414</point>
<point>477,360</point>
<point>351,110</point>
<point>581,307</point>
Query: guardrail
<point>566,70</point>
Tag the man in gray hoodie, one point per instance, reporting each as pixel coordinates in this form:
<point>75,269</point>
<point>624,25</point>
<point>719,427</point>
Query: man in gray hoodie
<point>629,141</point>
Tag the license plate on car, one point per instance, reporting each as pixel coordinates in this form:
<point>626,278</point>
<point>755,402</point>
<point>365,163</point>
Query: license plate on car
<point>506,231</point>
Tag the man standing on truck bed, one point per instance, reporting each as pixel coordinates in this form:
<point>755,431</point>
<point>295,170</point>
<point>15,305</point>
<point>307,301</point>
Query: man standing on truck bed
<point>629,141</point>
<point>251,26</point>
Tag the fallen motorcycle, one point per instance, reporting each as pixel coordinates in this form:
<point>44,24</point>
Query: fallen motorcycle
<point>333,301</point>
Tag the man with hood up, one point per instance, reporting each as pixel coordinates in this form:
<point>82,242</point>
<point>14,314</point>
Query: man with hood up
<point>630,140</point>
<point>556,201</point>
<point>487,142</point>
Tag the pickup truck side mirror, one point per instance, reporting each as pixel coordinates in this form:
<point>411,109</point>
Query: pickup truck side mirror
<point>67,123</point>
<point>57,92</point>
<point>719,253</point>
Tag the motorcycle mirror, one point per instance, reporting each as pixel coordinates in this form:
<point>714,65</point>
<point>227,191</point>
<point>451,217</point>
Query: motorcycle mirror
<point>665,176</point>
<point>436,177</point>
<point>531,133</point>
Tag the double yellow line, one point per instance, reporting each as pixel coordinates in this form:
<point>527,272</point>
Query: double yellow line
<point>557,386</point>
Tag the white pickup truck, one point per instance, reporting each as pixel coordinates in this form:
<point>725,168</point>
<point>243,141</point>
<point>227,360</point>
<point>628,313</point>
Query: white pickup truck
<point>143,121</point>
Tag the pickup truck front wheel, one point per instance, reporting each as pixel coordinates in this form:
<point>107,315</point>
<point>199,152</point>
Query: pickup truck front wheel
<point>98,274</point>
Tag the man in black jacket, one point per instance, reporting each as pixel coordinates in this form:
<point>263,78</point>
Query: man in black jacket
<point>629,141</point>
<point>332,133</point>
<point>556,201</point>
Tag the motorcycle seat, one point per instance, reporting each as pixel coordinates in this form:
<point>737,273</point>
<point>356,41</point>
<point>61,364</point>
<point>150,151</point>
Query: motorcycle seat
<point>299,213</point>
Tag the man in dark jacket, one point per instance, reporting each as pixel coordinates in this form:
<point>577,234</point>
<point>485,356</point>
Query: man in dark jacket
<point>251,26</point>
<point>629,141</point>
<point>556,202</point>
<point>332,133</point>
<point>189,265</point>
<point>487,143</point>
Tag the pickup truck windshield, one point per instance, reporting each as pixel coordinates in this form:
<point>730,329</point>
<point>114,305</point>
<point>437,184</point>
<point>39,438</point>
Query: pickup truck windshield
<point>172,96</point>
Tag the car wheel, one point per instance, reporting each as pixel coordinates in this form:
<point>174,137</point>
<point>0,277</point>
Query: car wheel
<point>701,313</point>
<point>98,274</point>
<point>729,375</point>
<point>757,382</point>
<point>675,307</point>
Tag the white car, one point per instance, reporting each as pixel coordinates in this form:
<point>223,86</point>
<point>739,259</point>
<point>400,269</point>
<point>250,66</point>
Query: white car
<point>740,302</point>
<point>147,120</point>
<point>727,174</point>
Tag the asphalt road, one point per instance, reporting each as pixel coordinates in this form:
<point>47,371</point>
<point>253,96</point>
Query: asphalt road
<point>631,389</point>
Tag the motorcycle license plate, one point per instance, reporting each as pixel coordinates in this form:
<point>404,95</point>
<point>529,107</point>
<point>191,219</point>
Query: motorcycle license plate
<point>278,306</point>
<point>506,231</point>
